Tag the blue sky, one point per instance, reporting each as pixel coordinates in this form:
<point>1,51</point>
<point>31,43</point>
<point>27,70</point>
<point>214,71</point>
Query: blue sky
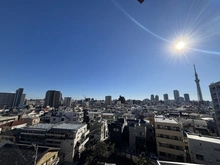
<point>93,48</point>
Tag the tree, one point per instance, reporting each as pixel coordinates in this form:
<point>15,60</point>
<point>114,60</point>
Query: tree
<point>89,160</point>
<point>142,161</point>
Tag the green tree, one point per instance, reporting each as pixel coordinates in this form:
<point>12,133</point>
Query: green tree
<point>142,161</point>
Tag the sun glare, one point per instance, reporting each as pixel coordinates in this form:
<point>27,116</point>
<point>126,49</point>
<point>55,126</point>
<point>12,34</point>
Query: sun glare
<point>180,45</point>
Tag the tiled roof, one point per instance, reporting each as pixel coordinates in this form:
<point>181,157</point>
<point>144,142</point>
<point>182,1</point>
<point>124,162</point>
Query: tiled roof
<point>12,123</point>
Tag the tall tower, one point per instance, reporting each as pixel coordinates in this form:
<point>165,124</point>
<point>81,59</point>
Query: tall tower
<point>199,92</point>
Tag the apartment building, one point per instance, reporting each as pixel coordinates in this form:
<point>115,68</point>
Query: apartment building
<point>110,117</point>
<point>70,138</point>
<point>204,149</point>
<point>169,138</point>
<point>215,94</point>
<point>99,130</point>
<point>141,136</point>
<point>6,99</point>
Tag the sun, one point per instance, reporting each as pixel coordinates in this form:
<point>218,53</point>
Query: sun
<point>180,45</point>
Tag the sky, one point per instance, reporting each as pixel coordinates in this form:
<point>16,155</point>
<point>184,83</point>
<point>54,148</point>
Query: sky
<point>109,47</point>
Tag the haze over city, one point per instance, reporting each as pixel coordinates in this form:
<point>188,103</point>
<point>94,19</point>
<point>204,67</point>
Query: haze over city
<point>98,48</point>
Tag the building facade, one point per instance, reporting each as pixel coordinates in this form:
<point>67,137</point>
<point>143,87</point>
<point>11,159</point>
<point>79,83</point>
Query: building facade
<point>141,136</point>
<point>169,138</point>
<point>156,98</point>
<point>165,97</point>
<point>53,98</point>
<point>18,97</point>
<point>186,98</point>
<point>152,97</point>
<point>108,100</point>
<point>204,150</point>
<point>176,95</point>
<point>67,101</point>
<point>70,138</point>
<point>215,95</point>
<point>6,100</point>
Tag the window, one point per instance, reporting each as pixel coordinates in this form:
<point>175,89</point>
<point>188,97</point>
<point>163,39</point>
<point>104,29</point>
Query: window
<point>176,128</point>
<point>116,130</point>
<point>141,133</point>
<point>218,161</point>
<point>162,154</point>
<point>199,157</point>
<point>217,149</point>
<point>159,126</point>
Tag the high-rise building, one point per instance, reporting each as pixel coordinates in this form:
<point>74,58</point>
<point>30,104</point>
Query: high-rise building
<point>67,101</point>
<point>122,99</point>
<point>156,98</point>
<point>108,100</point>
<point>176,95</point>
<point>165,97</point>
<point>152,97</point>
<point>186,97</point>
<point>6,99</point>
<point>53,98</point>
<point>199,92</point>
<point>18,97</point>
<point>215,95</point>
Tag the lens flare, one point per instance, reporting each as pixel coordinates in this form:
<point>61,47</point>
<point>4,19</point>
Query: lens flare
<point>180,45</point>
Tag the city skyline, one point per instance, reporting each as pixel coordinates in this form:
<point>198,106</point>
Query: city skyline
<point>96,50</point>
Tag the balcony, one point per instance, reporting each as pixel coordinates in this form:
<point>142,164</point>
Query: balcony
<point>170,141</point>
<point>32,134</point>
<point>85,133</point>
<point>169,132</point>
<point>58,135</point>
<point>170,150</point>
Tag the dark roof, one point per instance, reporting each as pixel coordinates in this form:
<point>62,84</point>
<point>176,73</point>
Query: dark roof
<point>20,154</point>
<point>12,123</point>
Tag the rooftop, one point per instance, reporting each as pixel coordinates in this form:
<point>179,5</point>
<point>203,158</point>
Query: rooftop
<point>203,138</point>
<point>12,123</point>
<point>20,154</point>
<point>166,120</point>
<point>173,163</point>
<point>58,126</point>
<point>7,117</point>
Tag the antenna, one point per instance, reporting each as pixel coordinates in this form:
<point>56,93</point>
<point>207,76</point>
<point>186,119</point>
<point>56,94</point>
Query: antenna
<point>194,68</point>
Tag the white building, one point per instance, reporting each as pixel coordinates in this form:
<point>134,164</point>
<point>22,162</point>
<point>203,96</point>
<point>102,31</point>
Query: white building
<point>94,115</point>
<point>99,130</point>
<point>70,138</point>
<point>110,117</point>
<point>204,150</point>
